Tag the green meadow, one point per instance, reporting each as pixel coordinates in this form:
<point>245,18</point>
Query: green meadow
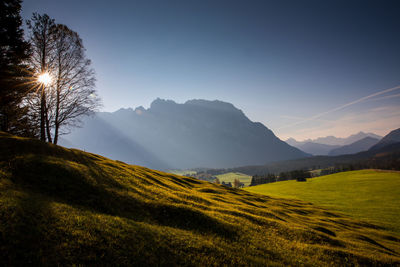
<point>231,176</point>
<point>182,172</point>
<point>67,207</point>
<point>370,195</point>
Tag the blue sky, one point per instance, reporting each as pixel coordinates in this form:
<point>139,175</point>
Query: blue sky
<point>282,62</point>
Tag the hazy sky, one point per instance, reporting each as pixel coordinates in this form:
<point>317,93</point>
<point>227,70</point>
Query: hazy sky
<point>292,65</point>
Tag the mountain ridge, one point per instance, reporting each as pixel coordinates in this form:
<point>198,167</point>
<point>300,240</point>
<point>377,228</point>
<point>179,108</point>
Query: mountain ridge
<point>391,138</point>
<point>358,146</point>
<point>322,146</point>
<point>200,133</point>
<point>333,140</point>
<point>316,149</point>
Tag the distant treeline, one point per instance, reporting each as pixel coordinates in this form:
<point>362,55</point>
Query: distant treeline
<point>393,164</point>
<point>390,163</point>
<point>299,175</point>
<point>385,159</point>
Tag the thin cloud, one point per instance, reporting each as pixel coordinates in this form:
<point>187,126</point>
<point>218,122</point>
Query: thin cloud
<point>362,99</point>
<point>379,120</point>
<point>385,97</point>
<point>300,118</point>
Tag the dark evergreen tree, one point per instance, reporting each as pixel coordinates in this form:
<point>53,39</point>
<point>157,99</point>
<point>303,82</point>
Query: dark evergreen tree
<point>14,52</point>
<point>253,180</point>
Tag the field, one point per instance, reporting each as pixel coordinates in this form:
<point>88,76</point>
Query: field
<point>371,195</point>
<point>182,172</point>
<point>231,176</point>
<point>67,207</point>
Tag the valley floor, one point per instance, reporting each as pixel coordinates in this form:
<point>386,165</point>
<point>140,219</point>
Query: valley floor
<point>370,195</point>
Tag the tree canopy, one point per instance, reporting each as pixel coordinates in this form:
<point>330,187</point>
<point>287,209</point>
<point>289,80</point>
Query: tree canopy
<point>14,52</point>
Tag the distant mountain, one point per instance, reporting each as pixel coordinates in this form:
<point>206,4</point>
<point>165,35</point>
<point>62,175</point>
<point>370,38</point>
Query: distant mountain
<point>331,140</point>
<point>358,146</point>
<point>324,145</point>
<point>392,138</point>
<point>293,142</point>
<point>316,149</point>
<point>168,135</point>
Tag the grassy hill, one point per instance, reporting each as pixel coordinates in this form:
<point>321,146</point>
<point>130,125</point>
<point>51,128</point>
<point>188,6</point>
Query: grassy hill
<point>231,176</point>
<point>371,195</point>
<point>66,207</point>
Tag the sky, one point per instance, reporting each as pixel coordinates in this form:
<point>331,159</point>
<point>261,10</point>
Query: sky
<point>305,69</point>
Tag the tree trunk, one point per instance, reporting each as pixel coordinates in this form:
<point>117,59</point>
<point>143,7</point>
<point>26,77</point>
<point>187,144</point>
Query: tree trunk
<point>56,123</point>
<point>56,134</point>
<point>48,131</point>
<point>42,116</point>
<point>49,139</point>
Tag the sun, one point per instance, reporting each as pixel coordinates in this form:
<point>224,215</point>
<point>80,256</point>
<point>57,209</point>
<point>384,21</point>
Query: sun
<point>44,78</point>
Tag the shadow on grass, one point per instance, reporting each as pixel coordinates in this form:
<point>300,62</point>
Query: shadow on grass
<point>99,193</point>
<point>24,235</point>
<point>373,242</point>
<point>31,234</point>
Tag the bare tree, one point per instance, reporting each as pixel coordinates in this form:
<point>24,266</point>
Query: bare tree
<point>237,183</point>
<point>74,93</point>
<point>59,51</point>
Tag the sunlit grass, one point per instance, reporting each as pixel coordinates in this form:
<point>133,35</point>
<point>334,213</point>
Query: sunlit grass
<point>371,195</point>
<point>67,207</point>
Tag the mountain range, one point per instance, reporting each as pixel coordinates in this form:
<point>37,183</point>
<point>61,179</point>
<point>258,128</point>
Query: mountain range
<point>168,135</point>
<point>358,146</point>
<point>324,145</point>
<point>311,147</point>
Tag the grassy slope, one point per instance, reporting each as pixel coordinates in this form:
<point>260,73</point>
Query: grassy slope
<point>368,194</point>
<point>62,206</point>
<point>231,176</point>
